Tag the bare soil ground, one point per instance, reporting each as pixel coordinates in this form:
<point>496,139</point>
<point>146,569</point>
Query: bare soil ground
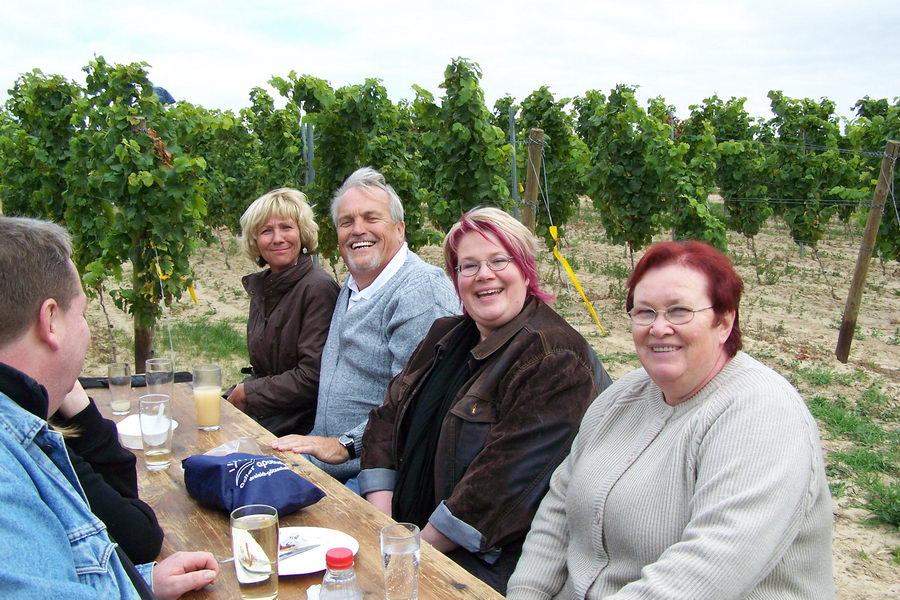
<point>790,318</point>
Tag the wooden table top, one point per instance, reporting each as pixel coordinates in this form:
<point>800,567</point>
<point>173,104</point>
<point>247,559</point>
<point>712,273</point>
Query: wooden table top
<point>191,526</point>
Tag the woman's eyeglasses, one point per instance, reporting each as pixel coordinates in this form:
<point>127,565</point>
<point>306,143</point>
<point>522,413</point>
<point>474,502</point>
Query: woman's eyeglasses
<point>470,268</point>
<point>676,315</point>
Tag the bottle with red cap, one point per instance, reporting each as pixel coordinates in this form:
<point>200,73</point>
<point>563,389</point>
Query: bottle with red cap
<point>340,579</point>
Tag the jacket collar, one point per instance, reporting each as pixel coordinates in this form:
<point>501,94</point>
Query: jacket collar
<point>499,337</point>
<point>24,391</point>
<point>278,283</point>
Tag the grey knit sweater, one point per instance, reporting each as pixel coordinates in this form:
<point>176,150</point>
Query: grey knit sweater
<point>722,496</point>
<point>371,343</point>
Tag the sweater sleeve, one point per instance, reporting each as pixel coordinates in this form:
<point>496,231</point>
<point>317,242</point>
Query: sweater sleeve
<point>275,394</point>
<point>108,477</point>
<point>755,485</point>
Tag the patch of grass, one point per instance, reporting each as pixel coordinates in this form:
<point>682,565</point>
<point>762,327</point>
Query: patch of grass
<point>876,403</point>
<point>817,375</point>
<point>895,553</point>
<point>842,422</point>
<point>617,357</point>
<point>882,501</point>
<point>862,461</point>
<point>208,340</point>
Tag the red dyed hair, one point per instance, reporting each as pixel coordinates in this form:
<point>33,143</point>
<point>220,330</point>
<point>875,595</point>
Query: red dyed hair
<point>512,235</point>
<point>723,284</point>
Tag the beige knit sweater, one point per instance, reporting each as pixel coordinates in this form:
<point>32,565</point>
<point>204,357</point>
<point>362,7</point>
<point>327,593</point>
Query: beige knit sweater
<point>723,496</point>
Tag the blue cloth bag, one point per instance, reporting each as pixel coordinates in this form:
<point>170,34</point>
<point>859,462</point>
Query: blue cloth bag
<point>237,479</point>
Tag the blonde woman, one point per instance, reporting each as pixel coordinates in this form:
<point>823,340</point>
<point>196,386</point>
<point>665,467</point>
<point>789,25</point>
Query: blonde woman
<point>291,302</point>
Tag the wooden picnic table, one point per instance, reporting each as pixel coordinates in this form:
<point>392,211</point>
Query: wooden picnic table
<point>191,526</point>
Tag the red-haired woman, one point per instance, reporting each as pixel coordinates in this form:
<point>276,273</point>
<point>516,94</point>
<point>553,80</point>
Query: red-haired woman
<point>698,476</point>
<point>485,409</point>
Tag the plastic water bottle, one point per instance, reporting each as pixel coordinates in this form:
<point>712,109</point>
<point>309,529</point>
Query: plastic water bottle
<point>340,578</point>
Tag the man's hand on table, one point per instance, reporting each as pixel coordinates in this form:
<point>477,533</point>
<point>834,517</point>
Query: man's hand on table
<point>183,572</point>
<point>238,397</point>
<point>326,449</point>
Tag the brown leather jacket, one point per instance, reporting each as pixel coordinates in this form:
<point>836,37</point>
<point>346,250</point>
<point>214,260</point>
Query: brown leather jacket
<point>510,426</point>
<point>290,313</point>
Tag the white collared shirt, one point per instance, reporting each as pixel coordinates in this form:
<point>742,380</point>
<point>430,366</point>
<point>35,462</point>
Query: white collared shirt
<point>357,295</point>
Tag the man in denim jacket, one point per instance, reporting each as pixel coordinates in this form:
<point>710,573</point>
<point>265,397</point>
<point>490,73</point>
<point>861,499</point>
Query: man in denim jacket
<point>51,545</point>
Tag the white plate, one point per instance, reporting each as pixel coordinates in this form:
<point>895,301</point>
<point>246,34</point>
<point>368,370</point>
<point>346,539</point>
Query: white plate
<point>130,431</point>
<point>313,560</point>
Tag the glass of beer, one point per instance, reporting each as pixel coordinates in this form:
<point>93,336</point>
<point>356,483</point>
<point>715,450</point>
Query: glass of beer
<point>207,394</point>
<point>400,547</point>
<point>156,430</point>
<point>254,541</point>
<point>160,374</point>
<point>119,378</point>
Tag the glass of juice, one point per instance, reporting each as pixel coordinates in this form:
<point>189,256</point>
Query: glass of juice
<point>119,378</point>
<point>156,430</point>
<point>207,395</point>
<point>254,541</point>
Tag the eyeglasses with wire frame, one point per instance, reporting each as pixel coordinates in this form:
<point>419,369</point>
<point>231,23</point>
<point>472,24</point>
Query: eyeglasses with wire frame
<point>470,268</point>
<point>676,315</point>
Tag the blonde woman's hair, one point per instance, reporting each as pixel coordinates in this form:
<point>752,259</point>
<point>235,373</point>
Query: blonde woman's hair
<point>283,203</point>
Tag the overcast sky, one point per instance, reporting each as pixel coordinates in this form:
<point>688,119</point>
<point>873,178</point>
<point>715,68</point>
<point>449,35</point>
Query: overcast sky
<point>213,53</point>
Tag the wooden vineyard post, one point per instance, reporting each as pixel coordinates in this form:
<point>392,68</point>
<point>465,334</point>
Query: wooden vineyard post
<point>532,177</point>
<point>851,309</point>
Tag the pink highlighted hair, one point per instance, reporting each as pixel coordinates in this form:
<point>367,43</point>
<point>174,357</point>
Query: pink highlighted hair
<point>512,235</point>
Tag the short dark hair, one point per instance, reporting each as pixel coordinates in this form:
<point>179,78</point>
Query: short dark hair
<point>34,265</point>
<point>723,285</point>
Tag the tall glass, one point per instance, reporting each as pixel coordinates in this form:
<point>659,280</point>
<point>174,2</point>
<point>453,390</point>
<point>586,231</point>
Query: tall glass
<point>160,374</point>
<point>119,378</point>
<point>254,542</point>
<point>156,430</point>
<point>207,395</point>
<point>400,558</point>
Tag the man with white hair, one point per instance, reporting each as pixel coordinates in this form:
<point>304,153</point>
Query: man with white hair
<point>51,544</point>
<point>384,309</point>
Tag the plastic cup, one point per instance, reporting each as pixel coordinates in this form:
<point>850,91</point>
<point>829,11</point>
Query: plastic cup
<point>156,430</point>
<point>119,378</point>
<point>400,557</point>
<point>207,396</point>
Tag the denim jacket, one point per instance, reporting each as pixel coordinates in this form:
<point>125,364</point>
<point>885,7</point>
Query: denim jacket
<point>509,427</point>
<point>51,545</point>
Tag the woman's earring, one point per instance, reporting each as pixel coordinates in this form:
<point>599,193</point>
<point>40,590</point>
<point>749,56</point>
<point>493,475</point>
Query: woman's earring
<point>304,251</point>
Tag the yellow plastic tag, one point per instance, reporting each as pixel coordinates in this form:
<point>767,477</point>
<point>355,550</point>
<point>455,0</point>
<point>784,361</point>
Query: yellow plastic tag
<point>554,233</point>
<point>160,273</point>
<point>193,294</point>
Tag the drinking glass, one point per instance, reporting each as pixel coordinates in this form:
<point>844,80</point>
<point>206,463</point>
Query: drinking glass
<point>207,394</point>
<point>119,377</point>
<point>160,374</point>
<point>400,558</point>
<point>254,542</point>
<point>156,430</point>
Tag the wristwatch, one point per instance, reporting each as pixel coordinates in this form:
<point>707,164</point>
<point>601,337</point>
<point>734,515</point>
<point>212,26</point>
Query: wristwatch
<point>347,442</point>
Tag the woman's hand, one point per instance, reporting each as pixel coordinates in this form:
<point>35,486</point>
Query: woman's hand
<point>328,450</point>
<point>382,500</point>
<point>183,572</point>
<point>238,397</point>
<point>74,402</point>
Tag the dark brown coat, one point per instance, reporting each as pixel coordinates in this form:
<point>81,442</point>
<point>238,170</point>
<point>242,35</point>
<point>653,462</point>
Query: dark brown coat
<point>290,313</point>
<point>510,425</point>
